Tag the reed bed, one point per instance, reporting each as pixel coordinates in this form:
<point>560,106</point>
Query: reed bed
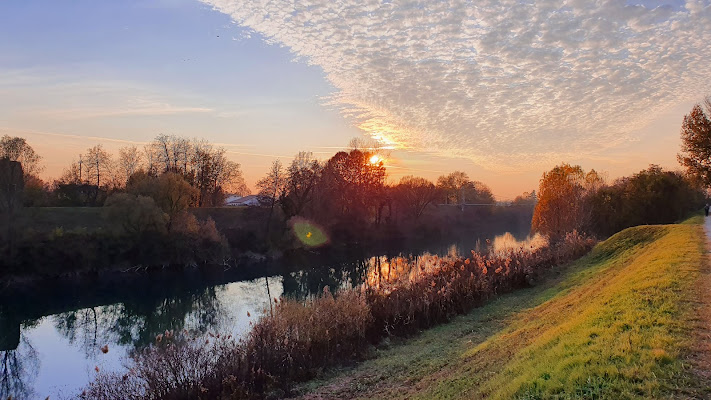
<point>296,339</point>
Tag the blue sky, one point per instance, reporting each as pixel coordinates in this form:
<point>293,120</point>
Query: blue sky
<point>500,89</point>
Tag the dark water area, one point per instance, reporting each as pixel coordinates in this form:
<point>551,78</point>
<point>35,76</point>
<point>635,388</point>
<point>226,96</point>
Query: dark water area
<point>51,334</point>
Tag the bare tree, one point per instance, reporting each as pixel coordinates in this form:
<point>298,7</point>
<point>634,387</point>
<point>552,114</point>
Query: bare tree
<point>302,176</point>
<point>414,194</point>
<point>271,188</point>
<point>129,161</point>
<point>98,165</point>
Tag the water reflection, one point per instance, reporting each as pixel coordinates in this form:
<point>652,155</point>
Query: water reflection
<point>311,282</point>
<point>136,323</point>
<point>69,323</point>
<point>18,371</point>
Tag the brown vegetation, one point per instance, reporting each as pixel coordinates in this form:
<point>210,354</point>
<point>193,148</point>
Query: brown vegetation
<point>296,339</point>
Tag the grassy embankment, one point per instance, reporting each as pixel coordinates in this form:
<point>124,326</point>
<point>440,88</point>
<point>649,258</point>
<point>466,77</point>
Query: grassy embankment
<point>616,324</point>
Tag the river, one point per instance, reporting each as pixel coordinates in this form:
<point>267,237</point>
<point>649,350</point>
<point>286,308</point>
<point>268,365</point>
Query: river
<point>51,337</point>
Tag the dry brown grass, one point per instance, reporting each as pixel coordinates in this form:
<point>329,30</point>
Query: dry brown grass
<point>298,338</point>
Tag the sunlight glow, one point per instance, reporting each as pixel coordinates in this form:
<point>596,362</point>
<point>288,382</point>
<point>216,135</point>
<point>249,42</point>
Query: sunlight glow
<point>375,159</point>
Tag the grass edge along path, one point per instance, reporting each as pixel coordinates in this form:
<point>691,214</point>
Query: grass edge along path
<point>616,324</point>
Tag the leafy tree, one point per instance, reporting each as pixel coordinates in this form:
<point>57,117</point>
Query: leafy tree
<point>561,206</point>
<point>173,194</point>
<point>36,192</point>
<point>414,194</point>
<point>651,196</point>
<point>17,149</point>
<point>134,214</point>
<point>352,186</point>
<point>696,142</point>
<point>457,188</point>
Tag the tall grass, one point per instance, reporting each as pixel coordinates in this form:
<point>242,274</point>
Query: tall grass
<point>295,339</point>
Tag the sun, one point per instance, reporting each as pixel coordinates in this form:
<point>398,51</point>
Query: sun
<point>375,159</point>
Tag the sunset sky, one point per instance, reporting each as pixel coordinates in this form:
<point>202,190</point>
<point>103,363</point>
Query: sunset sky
<point>502,90</point>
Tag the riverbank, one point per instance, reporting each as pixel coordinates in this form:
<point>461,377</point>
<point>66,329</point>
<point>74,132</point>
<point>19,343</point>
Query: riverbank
<point>45,244</point>
<point>619,323</point>
<point>296,339</point>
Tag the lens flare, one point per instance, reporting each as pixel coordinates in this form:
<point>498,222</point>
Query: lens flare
<point>308,233</point>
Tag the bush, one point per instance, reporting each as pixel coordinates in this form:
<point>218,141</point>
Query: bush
<point>134,214</point>
<point>297,338</point>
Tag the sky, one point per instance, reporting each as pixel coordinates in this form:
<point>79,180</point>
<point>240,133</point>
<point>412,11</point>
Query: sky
<point>503,90</point>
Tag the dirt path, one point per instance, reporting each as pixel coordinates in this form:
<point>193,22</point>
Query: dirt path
<point>700,357</point>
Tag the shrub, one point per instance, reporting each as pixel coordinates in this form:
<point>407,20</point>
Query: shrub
<point>297,338</point>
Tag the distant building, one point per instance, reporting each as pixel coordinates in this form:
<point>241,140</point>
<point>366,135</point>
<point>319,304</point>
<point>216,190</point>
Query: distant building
<point>242,201</point>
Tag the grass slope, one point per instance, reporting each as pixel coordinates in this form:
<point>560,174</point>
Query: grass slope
<point>616,324</point>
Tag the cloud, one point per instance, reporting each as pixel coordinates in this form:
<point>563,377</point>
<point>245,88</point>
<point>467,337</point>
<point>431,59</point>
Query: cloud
<point>39,93</point>
<point>506,83</point>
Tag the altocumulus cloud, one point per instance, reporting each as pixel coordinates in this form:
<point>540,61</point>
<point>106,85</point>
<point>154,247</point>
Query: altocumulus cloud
<point>502,82</point>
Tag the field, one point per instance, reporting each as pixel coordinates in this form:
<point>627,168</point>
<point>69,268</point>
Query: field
<point>91,219</point>
<point>620,323</point>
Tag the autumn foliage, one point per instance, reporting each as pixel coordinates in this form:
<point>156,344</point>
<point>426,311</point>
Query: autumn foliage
<point>561,206</point>
<point>571,199</point>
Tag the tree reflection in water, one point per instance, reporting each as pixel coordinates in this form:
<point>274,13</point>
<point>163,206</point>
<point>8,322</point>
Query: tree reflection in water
<point>136,323</point>
<point>18,370</point>
<point>309,282</point>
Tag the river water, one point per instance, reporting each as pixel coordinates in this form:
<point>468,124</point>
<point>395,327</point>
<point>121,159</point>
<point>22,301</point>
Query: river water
<point>51,337</point>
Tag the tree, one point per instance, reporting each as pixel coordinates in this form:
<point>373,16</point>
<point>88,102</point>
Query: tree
<point>457,188</point>
<point>696,142</point>
<point>414,194</point>
<point>129,161</point>
<point>651,196</point>
<point>71,175</point>
<point>171,152</point>
<point>174,194</point>
<point>563,194</point>
<point>451,187</point>
<point>36,192</point>
<point>301,178</point>
<point>11,185</point>
<point>352,185</point>
<point>271,188</point>
<point>134,214</point>
<point>98,165</point>
<point>526,199</point>
<point>17,149</point>
<point>215,175</point>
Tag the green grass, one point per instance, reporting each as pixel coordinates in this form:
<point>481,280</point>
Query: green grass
<point>91,219</point>
<point>47,219</point>
<point>614,325</point>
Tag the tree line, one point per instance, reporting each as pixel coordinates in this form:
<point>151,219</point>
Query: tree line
<point>572,199</point>
<point>348,193</point>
